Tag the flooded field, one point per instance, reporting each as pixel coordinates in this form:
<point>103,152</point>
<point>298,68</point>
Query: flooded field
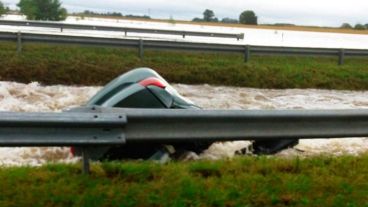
<point>254,36</point>
<point>36,98</point>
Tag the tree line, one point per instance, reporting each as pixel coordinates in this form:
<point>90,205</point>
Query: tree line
<point>110,14</point>
<point>249,17</point>
<point>356,26</point>
<point>246,17</point>
<point>39,9</point>
<point>52,10</point>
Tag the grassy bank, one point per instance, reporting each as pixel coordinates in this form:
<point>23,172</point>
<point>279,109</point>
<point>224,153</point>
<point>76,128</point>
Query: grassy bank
<point>96,66</point>
<point>249,181</point>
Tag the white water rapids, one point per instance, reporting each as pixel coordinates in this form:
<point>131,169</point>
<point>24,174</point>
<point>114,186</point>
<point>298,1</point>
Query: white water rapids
<point>37,98</point>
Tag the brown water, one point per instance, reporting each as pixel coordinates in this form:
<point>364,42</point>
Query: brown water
<point>34,98</point>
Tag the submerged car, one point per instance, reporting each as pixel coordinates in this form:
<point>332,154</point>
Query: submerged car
<point>145,88</point>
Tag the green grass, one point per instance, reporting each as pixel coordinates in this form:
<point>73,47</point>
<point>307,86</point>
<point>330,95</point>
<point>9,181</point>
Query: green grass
<point>247,181</point>
<point>77,65</point>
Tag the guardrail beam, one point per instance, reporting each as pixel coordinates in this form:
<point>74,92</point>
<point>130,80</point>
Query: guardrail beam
<point>175,45</point>
<point>62,26</point>
<point>115,125</point>
<point>152,125</point>
<point>61,129</point>
<point>90,127</point>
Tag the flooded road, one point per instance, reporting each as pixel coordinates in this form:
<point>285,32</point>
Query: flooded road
<point>36,98</point>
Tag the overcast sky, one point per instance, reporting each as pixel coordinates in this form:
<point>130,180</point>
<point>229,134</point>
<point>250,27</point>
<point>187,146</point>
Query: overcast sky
<point>306,12</point>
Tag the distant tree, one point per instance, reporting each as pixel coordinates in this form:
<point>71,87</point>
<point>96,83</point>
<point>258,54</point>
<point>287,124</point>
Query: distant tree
<point>92,13</point>
<point>42,10</point>
<point>117,14</point>
<point>87,12</point>
<point>366,26</point>
<point>359,27</point>
<point>62,14</point>
<point>209,16</point>
<point>248,17</point>
<point>346,26</point>
<point>2,9</point>
<point>229,20</point>
<point>138,16</point>
<point>283,24</point>
<point>196,19</point>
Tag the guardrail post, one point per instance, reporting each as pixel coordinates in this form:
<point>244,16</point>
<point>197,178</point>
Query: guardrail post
<point>19,42</point>
<point>125,33</point>
<point>240,36</point>
<point>246,53</point>
<point>85,161</point>
<point>61,29</point>
<point>141,49</point>
<point>341,56</point>
<point>184,34</point>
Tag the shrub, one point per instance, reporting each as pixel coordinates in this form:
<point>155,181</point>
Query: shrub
<point>359,27</point>
<point>229,20</point>
<point>346,26</point>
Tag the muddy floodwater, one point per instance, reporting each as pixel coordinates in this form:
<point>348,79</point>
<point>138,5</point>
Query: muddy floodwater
<point>34,97</point>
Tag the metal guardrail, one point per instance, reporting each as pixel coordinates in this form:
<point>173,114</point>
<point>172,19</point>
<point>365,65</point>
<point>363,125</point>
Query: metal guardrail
<point>61,129</point>
<point>141,44</point>
<point>125,30</point>
<point>96,126</point>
